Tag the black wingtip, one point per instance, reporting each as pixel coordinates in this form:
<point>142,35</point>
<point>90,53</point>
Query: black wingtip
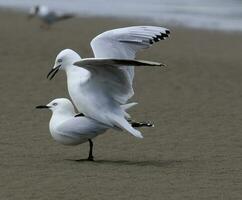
<point>164,35</point>
<point>156,39</point>
<point>160,37</point>
<point>151,41</point>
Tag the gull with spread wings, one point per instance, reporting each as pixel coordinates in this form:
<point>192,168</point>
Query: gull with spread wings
<point>99,86</point>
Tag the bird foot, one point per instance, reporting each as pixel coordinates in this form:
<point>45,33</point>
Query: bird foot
<point>90,158</point>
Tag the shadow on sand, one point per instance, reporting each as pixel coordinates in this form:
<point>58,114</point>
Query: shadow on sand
<point>152,163</point>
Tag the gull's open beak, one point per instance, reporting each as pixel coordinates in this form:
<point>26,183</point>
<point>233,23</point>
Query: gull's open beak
<point>42,107</point>
<point>53,71</point>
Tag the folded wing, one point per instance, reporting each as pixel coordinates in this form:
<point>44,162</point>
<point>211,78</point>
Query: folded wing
<point>81,127</point>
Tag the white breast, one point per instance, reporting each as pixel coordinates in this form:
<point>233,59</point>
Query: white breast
<point>55,121</point>
<point>76,79</point>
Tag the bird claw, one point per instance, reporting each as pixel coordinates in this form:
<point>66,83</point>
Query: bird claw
<point>90,158</point>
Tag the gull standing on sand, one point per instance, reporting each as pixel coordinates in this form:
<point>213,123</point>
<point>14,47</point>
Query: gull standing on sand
<point>47,16</point>
<point>68,128</point>
<point>99,86</point>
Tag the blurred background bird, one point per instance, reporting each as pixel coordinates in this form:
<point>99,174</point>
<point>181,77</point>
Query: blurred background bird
<point>47,16</point>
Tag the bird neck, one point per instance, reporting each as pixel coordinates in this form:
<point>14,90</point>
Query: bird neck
<point>59,117</point>
<point>71,69</point>
<point>75,73</point>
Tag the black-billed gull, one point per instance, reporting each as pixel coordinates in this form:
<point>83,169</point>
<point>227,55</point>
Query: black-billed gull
<point>99,86</point>
<point>68,128</point>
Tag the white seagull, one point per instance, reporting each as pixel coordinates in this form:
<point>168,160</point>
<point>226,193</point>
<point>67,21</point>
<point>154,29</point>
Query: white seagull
<point>47,16</point>
<point>68,128</point>
<point>99,86</point>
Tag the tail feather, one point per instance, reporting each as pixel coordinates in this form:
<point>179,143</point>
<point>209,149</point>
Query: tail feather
<point>124,124</point>
<point>128,105</point>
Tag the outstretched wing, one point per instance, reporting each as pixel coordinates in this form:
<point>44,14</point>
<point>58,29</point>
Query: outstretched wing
<point>109,77</point>
<point>120,63</point>
<point>123,43</point>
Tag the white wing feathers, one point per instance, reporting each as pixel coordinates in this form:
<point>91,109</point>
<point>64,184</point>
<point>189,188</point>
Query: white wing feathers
<point>112,72</point>
<point>111,81</point>
<point>128,105</point>
<point>125,42</point>
<point>81,126</point>
<point>108,75</point>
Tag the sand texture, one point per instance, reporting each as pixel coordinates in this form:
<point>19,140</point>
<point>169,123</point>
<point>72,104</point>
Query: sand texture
<point>193,152</point>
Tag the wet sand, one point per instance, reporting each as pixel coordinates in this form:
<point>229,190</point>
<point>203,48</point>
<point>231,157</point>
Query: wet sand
<point>194,151</point>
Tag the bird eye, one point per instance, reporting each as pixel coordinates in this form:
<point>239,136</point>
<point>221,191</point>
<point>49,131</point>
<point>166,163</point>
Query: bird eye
<point>54,104</point>
<point>59,60</point>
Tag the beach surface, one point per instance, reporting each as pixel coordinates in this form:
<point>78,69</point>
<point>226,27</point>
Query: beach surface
<point>193,152</point>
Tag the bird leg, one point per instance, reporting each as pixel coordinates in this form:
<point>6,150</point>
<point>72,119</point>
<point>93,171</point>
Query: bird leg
<point>140,124</point>
<point>90,156</point>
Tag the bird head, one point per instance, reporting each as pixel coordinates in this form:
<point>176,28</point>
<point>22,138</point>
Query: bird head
<point>60,105</point>
<point>66,58</point>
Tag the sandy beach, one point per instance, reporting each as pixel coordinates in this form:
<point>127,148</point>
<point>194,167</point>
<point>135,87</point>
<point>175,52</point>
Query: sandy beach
<point>193,152</point>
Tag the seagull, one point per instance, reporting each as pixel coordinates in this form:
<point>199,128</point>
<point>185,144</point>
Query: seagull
<point>47,16</point>
<point>100,86</point>
<point>68,128</point>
